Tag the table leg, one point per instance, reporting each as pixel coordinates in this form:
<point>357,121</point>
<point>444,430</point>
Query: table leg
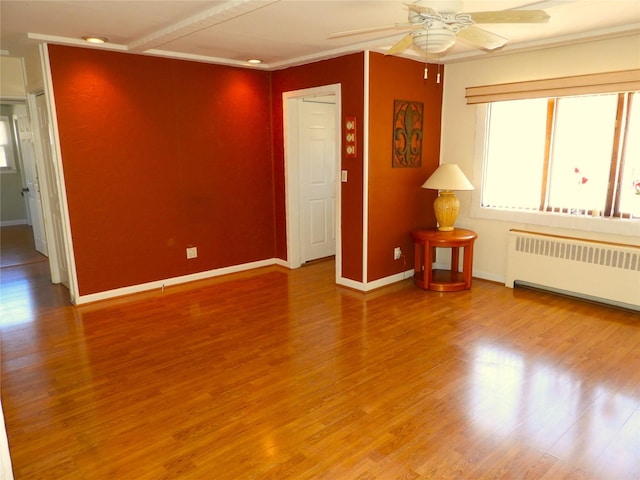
<point>417,257</point>
<point>428,265</point>
<point>455,257</point>
<point>467,264</point>
<point>419,270</point>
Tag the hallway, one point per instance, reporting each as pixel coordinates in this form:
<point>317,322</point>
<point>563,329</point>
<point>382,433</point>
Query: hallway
<point>17,247</point>
<point>25,281</point>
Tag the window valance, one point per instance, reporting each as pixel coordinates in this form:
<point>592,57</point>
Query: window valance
<point>621,81</point>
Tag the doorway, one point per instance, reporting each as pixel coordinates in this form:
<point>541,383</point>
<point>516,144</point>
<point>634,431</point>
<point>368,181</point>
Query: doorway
<point>23,236</point>
<point>17,246</point>
<point>38,182</point>
<point>312,166</point>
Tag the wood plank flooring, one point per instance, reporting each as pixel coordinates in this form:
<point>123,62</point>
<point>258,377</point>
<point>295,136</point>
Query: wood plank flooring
<point>17,246</point>
<point>277,374</point>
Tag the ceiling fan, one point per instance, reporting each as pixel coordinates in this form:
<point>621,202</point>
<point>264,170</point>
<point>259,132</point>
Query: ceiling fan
<point>437,24</point>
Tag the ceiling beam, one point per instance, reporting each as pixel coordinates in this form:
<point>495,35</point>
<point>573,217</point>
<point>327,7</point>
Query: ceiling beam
<point>200,21</point>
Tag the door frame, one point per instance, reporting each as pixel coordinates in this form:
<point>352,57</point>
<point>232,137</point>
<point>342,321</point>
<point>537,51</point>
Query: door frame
<point>292,170</point>
<point>63,242</point>
<point>43,182</point>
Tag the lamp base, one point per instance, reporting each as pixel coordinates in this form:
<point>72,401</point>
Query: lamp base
<point>446,208</point>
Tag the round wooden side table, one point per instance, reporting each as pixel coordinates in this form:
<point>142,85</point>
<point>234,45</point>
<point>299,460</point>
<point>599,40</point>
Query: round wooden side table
<point>426,241</point>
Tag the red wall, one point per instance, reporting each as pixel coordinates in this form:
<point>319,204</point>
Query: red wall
<point>349,72</point>
<point>159,155</point>
<point>397,203</point>
<point>162,154</point>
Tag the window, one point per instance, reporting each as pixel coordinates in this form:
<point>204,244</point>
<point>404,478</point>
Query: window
<point>577,155</point>
<point>7,163</point>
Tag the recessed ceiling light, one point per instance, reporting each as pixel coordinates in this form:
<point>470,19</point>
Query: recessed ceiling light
<point>93,39</point>
<point>254,61</point>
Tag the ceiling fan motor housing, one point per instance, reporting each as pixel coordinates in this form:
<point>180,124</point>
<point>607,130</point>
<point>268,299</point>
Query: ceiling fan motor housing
<point>441,21</point>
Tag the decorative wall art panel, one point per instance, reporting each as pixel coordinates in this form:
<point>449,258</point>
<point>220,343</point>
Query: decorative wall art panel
<point>407,133</point>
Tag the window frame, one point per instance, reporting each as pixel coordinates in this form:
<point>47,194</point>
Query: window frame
<point>619,136</point>
<point>614,225</point>
<point>9,150</point>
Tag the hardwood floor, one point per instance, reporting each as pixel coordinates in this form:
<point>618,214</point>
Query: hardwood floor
<point>17,246</point>
<point>274,374</point>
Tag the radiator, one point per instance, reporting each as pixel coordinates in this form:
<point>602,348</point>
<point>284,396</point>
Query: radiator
<point>604,271</point>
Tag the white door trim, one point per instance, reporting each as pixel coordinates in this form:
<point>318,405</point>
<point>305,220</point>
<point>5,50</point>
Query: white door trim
<point>66,239</point>
<point>365,174</point>
<point>292,169</point>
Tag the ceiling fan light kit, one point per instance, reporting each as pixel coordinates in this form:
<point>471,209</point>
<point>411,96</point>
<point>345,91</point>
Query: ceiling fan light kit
<point>434,40</point>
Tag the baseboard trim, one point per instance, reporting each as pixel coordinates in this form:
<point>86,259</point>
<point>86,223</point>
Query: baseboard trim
<point>353,284</point>
<point>13,223</point>
<point>160,284</point>
<point>345,282</point>
<point>383,282</point>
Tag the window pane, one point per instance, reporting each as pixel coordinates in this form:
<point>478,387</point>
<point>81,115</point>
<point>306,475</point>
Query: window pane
<point>581,152</point>
<point>4,131</point>
<point>4,161</point>
<point>4,141</point>
<point>630,180</point>
<point>514,157</point>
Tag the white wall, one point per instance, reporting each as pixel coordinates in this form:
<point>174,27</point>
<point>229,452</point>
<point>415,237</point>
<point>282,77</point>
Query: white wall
<point>34,74</point>
<point>11,79</point>
<point>459,131</point>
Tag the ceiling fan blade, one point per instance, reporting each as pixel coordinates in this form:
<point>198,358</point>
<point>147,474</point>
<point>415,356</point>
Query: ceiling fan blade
<point>404,43</point>
<point>542,4</point>
<point>482,38</point>
<point>511,16</point>
<point>379,28</point>
<point>420,9</point>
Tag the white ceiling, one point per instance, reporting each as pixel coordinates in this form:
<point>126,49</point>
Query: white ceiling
<point>285,32</point>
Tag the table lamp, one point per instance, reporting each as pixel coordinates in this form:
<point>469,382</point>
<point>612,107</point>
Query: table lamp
<point>446,178</point>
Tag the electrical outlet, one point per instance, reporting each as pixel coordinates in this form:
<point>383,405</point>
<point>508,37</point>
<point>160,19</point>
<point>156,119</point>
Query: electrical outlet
<point>397,253</point>
<point>192,252</point>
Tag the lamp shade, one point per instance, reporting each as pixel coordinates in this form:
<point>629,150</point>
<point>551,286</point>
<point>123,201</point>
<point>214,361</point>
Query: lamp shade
<point>448,177</point>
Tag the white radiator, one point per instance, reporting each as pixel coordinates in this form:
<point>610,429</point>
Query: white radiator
<point>604,271</point>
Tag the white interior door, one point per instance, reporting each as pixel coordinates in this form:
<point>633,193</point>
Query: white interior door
<point>51,204</point>
<point>30,174</point>
<point>316,149</point>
